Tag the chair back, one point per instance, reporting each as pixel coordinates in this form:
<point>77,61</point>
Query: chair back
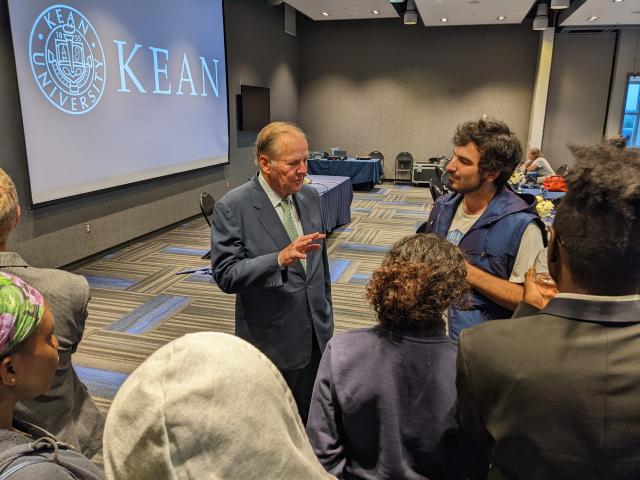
<point>562,170</point>
<point>404,161</point>
<point>377,154</point>
<point>206,206</point>
<point>436,191</point>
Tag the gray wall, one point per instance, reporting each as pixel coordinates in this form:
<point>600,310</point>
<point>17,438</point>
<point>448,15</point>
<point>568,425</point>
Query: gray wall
<point>258,53</point>
<point>627,51</point>
<point>578,92</point>
<point>380,85</point>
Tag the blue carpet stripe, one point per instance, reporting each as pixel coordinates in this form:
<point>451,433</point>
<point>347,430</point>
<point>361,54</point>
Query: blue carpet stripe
<point>200,278</point>
<point>402,203</point>
<point>111,283</point>
<point>360,278</point>
<point>109,256</point>
<point>185,251</point>
<point>337,268</point>
<point>363,247</point>
<point>101,383</point>
<point>147,316</point>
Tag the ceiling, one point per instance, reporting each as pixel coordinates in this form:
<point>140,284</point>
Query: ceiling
<point>608,12</point>
<point>472,12</point>
<point>344,9</point>
<point>475,12</point>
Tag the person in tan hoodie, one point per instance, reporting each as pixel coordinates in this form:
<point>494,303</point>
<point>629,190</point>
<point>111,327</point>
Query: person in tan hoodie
<point>207,405</point>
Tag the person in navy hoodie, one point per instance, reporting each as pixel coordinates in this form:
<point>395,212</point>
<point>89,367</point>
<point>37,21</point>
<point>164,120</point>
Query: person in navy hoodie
<point>499,231</point>
<point>383,401</point>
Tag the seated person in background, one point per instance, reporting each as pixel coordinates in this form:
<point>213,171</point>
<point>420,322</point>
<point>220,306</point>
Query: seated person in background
<point>536,163</point>
<point>28,360</point>
<point>207,406</point>
<point>66,410</point>
<point>383,399</point>
<point>557,394</point>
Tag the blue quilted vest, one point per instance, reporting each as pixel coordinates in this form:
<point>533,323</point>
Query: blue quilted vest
<point>491,244</point>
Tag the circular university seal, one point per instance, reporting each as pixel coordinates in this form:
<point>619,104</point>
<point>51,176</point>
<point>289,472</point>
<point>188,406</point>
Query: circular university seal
<point>67,59</point>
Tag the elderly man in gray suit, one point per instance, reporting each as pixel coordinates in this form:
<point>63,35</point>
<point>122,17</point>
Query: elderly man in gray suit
<point>268,248</point>
<point>556,394</point>
<point>66,410</point>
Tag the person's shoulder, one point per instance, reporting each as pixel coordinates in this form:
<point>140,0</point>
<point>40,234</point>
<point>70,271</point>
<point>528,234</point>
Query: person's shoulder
<point>309,190</point>
<point>353,340</point>
<point>47,279</point>
<point>496,336</point>
<point>239,194</point>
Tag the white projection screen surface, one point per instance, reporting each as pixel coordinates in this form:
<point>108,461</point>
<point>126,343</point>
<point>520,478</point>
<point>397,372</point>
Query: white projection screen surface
<point>117,92</point>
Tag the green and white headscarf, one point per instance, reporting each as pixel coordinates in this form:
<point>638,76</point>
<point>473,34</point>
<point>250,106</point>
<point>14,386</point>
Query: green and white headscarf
<point>21,310</point>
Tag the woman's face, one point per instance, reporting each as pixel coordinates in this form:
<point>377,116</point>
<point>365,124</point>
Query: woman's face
<point>36,360</point>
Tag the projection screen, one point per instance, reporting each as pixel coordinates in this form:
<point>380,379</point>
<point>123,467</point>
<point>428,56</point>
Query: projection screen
<point>116,92</point>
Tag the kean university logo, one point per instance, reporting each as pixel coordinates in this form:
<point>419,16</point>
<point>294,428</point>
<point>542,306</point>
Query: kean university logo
<point>67,59</point>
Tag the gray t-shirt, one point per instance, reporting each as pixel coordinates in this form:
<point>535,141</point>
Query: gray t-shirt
<point>530,244</point>
<point>543,169</point>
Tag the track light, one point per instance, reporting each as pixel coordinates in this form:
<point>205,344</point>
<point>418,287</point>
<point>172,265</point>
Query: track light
<point>410,15</point>
<point>541,22</point>
<point>559,4</point>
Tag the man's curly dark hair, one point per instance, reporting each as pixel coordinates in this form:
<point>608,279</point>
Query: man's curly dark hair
<point>598,222</point>
<point>419,278</point>
<point>500,149</point>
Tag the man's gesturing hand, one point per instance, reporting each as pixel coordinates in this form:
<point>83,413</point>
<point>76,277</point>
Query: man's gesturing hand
<point>297,250</point>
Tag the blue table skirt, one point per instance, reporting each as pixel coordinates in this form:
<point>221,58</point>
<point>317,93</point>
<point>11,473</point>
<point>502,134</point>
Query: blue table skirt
<point>360,171</point>
<point>335,199</point>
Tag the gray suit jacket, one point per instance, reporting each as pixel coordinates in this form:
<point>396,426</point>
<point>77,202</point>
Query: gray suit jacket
<point>66,410</point>
<point>555,394</point>
<point>277,310</point>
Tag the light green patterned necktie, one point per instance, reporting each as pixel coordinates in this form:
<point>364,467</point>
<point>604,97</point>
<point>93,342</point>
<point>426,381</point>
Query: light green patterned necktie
<point>287,221</point>
<point>287,218</point>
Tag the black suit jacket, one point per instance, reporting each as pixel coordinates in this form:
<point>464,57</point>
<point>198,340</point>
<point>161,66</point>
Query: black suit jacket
<point>555,394</point>
<point>277,311</point>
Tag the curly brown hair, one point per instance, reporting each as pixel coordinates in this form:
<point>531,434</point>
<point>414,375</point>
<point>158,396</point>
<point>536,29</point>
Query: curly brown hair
<point>420,277</point>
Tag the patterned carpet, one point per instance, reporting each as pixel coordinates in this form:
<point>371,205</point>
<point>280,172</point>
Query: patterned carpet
<point>139,303</point>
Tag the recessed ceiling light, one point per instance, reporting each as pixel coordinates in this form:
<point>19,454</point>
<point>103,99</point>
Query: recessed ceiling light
<point>617,1</point>
<point>325,14</point>
<point>592,19</point>
<point>375,12</point>
<point>501,17</point>
<point>444,19</point>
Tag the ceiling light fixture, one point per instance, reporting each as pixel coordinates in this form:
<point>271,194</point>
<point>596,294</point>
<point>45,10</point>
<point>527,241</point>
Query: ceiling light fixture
<point>592,19</point>
<point>396,1</point>
<point>501,18</point>
<point>325,14</point>
<point>617,1</point>
<point>410,15</point>
<point>560,4</point>
<point>541,22</point>
<point>375,12</point>
<point>444,19</point>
